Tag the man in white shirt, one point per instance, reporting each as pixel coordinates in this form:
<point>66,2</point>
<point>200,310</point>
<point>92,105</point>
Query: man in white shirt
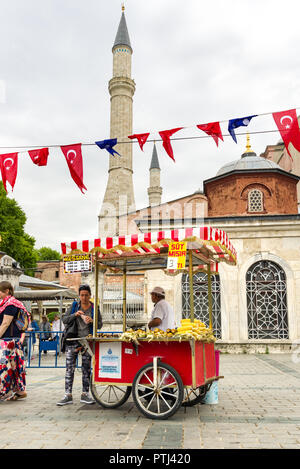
<point>57,326</point>
<point>162,316</point>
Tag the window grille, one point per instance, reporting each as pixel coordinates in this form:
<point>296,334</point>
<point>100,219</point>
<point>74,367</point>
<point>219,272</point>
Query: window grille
<point>200,283</point>
<point>255,201</point>
<point>266,301</point>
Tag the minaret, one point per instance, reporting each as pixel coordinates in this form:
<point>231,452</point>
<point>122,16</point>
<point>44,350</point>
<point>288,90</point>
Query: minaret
<point>119,196</point>
<point>154,189</point>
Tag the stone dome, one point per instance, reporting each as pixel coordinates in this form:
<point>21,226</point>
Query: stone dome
<point>248,161</point>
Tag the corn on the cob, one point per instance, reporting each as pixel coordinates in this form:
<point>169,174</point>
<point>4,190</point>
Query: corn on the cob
<point>188,330</point>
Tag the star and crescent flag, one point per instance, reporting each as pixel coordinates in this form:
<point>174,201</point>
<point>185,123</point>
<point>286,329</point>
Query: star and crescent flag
<point>213,129</point>
<point>39,157</point>
<point>108,145</point>
<point>9,169</point>
<point>73,157</point>
<point>239,122</point>
<point>288,126</point>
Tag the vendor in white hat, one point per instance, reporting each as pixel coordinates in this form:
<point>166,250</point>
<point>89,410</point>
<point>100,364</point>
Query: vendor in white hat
<point>162,316</point>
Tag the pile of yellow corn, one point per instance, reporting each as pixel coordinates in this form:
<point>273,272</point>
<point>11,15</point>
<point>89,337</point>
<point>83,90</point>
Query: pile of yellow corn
<point>187,330</point>
<point>196,330</point>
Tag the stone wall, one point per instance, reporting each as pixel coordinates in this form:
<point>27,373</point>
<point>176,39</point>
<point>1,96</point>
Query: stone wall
<point>48,271</point>
<point>188,207</point>
<point>53,271</point>
<point>275,241</point>
<point>229,195</point>
<point>263,347</point>
<point>72,281</point>
<point>279,155</point>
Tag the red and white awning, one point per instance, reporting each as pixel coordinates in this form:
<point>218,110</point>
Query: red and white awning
<point>215,240</point>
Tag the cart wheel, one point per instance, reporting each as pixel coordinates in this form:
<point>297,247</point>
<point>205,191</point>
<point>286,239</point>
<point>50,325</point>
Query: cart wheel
<point>158,402</point>
<point>194,396</point>
<point>110,396</point>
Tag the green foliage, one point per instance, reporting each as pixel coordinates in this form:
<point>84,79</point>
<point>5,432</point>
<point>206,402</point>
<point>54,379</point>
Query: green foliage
<point>14,241</point>
<point>51,315</point>
<point>48,254</point>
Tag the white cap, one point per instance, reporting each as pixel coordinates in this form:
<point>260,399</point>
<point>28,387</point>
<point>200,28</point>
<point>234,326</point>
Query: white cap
<point>159,291</point>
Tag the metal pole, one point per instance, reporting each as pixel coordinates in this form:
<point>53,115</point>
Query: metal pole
<point>191,284</point>
<point>95,324</point>
<point>60,321</point>
<point>209,292</point>
<point>192,342</point>
<point>124,299</point>
<point>60,306</point>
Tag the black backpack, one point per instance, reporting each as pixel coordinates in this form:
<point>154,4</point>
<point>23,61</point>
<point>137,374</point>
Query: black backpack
<point>71,330</point>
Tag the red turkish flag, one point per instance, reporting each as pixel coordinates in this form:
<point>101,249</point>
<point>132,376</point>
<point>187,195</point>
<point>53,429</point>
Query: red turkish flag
<point>39,157</point>
<point>9,168</point>
<point>287,123</point>
<point>213,129</point>
<point>165,135</point>
<point>142,138</point>
<point>74,160</point>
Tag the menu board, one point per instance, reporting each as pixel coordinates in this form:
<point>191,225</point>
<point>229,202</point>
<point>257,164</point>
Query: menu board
<point>74,263</point>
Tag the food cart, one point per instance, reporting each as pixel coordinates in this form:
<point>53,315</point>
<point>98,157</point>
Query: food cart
<point>162,370</point>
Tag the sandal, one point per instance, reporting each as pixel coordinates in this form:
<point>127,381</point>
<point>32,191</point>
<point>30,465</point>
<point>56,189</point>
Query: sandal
<point>17,396</point>
<point>7,396</point>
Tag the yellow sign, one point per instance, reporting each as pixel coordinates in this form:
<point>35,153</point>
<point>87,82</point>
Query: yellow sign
<point>176,255</point>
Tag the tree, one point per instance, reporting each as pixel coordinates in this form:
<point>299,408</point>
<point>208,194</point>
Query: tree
<point>14,241</point>
<point>48,254</point>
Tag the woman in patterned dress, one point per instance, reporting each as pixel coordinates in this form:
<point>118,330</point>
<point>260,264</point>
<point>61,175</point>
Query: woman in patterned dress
<point>12,364</point>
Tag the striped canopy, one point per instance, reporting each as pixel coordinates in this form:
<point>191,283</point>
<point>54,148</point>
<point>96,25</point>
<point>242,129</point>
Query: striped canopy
<point>211,244</point>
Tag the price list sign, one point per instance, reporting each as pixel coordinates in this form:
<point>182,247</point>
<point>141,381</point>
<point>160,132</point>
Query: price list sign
<point>176,256</point>
<point>77,263</point>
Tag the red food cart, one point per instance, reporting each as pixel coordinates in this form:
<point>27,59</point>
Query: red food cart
<point>162,373</point>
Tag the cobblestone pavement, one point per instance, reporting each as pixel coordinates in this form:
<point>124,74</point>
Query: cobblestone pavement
<point>259,407</point>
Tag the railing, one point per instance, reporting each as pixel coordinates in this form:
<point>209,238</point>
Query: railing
<point>44,345</point>
<point>53,344</point>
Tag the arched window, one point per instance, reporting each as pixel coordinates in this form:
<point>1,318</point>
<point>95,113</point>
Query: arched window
<point>255,201</point>
<point>266,301</point>
<point>200,283</point>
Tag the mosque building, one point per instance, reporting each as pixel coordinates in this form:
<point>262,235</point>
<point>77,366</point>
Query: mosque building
<point>256,305</point>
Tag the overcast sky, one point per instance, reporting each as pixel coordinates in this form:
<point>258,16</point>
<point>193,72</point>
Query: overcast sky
<point>193,62</point>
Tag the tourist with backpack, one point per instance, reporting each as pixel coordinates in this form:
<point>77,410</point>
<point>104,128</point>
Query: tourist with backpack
<point>78,322</point>
<point>14,320</point>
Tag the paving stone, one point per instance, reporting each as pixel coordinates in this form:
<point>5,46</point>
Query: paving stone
<point>290,446</point>
<point>254,411</point>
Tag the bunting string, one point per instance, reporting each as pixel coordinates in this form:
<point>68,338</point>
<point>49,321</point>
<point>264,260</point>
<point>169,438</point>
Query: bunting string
<point>25,148</point>
<point>286,122</point>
